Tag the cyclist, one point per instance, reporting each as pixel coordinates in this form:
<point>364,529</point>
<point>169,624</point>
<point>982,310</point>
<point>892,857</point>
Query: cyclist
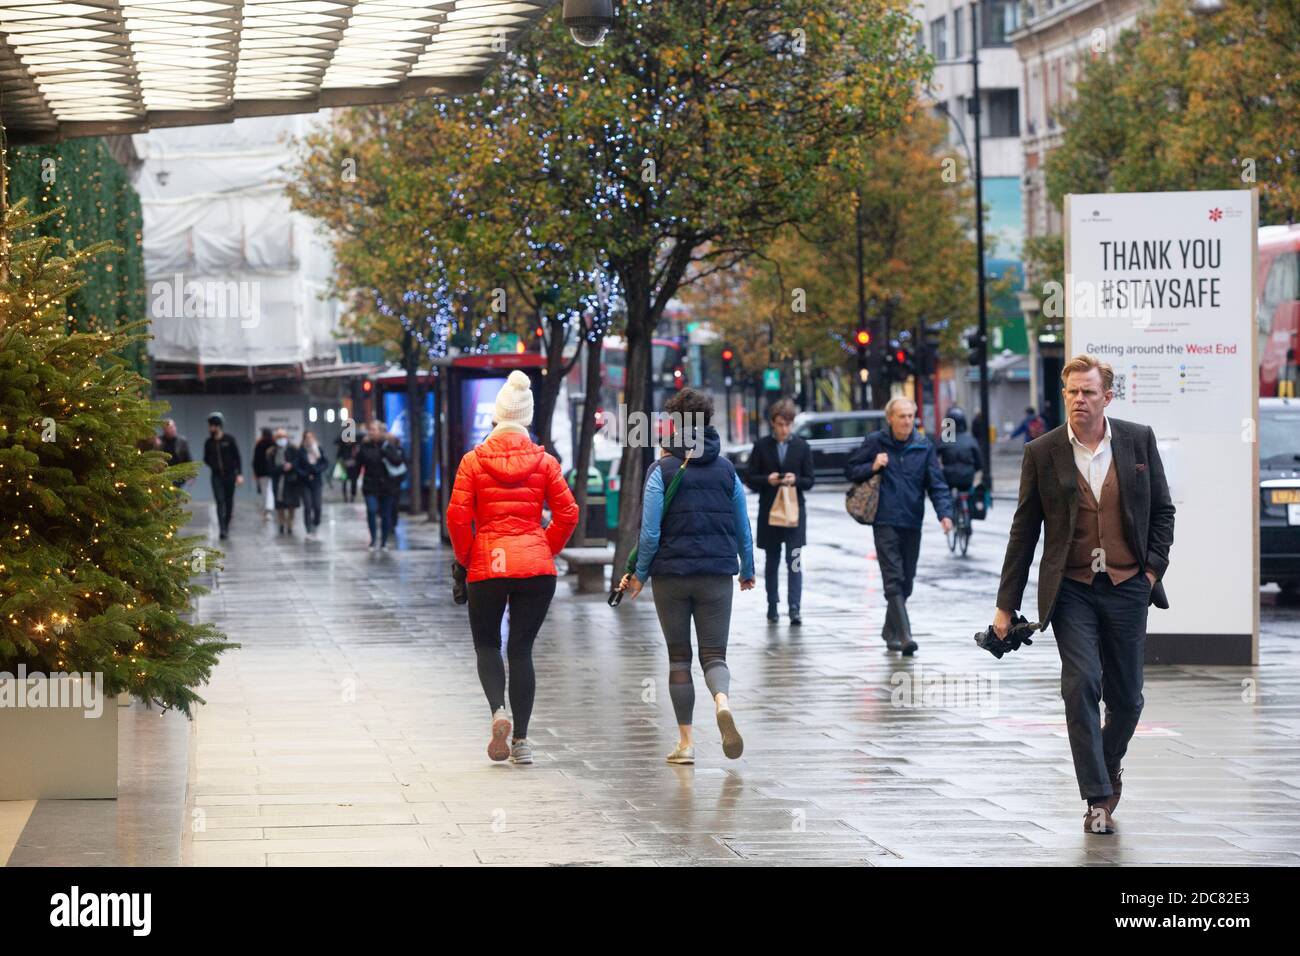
<point>960,456</point>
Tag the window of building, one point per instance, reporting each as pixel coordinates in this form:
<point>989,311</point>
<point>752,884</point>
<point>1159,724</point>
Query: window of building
<point>998,20</point>
<point>939,38</point>
<point>1004,112</point>
<point>959,32</point>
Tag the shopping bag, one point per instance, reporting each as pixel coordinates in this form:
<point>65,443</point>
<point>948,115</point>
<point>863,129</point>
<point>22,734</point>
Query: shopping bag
<point>785,508</point>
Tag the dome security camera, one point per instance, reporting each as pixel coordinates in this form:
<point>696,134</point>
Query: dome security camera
<point>588,20</point>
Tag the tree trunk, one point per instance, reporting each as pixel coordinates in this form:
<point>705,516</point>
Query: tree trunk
<point>552,380</point>
<point>414,416</point>
<point>637,293</point>
<point>587,434</point>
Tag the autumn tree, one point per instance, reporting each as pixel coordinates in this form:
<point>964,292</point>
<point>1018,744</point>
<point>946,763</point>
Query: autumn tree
<point>691,137</point>
<point>1188,102</point>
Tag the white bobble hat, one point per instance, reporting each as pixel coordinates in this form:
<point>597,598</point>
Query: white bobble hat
<point>515,400</point>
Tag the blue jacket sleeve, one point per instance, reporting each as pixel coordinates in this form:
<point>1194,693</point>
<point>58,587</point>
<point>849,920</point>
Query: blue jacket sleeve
<point>742,531</point>
<point>652,513</point>
<point>937,485</point>
<point>859,466</point>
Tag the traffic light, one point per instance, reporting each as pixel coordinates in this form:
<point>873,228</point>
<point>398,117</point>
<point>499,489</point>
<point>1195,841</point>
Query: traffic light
<point>975,342</point>
<point>904,364</point>
<point>862,339</point>
<point>889,367</point>
<point>929,355</point>
<point>727,356</point>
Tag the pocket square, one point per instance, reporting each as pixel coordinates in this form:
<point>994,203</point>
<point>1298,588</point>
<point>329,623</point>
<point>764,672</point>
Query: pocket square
<point>1141,467</point>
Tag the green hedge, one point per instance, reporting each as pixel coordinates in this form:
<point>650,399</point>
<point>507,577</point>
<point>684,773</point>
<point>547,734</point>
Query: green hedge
<point>98,203</point>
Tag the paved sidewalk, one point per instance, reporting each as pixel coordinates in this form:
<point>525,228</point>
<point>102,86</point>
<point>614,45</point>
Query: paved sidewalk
<point>350,729</point>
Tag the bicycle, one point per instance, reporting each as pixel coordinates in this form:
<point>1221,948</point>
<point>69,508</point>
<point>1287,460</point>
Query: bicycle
<point>959,536</point>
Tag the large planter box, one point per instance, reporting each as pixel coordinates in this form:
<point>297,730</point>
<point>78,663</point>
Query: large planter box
<point>56,752</point>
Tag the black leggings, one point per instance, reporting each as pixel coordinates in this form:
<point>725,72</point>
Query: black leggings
<point>529,599</point>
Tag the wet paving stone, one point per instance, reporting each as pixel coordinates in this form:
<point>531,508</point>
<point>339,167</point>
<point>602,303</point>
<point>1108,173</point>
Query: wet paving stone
<point>350,728</point>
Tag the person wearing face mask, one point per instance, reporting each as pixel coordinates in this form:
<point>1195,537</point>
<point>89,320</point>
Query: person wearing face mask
<point>781,459</point>
<point>221,455</point>
<point>281,460</point>
<point>310,466</point>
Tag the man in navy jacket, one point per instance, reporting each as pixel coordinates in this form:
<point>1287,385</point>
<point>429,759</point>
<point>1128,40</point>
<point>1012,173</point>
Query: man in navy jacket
<point>909,469</point>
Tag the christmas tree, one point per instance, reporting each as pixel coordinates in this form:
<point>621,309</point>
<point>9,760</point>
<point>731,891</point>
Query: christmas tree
<point>93,575</point>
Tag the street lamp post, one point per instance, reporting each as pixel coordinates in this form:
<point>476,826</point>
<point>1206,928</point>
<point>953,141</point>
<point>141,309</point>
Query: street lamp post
<point>983,437</point>
<point>872,365</point>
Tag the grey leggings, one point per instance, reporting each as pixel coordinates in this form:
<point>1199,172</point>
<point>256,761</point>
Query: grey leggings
<point>707,599</point>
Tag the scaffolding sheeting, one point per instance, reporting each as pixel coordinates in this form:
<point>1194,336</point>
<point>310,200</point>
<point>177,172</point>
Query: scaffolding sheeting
<point>233,275</point>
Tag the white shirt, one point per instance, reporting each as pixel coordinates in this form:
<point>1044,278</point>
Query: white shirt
<point>1093,465</point>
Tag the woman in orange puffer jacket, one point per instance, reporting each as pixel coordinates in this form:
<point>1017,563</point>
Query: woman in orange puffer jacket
<point>495,522</point>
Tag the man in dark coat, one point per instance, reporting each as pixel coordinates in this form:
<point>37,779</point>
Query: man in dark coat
<point>1097,485</point>
<point>781,459</point>
<point>176,447</point>
<point>379,487</point>
<point>909,470</point>
<point>221,454</point>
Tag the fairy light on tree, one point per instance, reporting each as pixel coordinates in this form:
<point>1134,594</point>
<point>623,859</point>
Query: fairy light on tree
<point>89,550</point>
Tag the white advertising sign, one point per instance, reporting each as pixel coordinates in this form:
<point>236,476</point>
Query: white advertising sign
<point>1162,286</point>
<point>290,419</point>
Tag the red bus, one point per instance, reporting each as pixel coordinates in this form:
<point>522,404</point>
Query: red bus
<point>667,366</point>
<point>1278,312</point>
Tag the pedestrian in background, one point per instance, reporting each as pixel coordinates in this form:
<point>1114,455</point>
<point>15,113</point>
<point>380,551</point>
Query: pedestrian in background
<point>345,453</point>
<point>959,454</point>
<point>1031,426</point>
<point>909,469</point>
<point>494,519</point>
<point>176,447</point>
<point>781,460</point>
<point>310,465</point>
<point>282,460</point>
<point>377,457</point>
<point>221,455</point>
<point>1097,487</point>
<point>262,474</point>
<point>691,550</point>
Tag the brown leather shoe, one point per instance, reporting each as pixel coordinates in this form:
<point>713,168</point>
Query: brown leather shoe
<point>1116,785</point>
<point>1098,819</point>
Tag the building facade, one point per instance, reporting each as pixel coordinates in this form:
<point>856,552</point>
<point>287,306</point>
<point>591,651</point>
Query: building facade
<point>1053,41</point>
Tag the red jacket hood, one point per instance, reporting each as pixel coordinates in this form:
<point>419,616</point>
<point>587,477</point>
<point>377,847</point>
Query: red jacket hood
<point>509,457</point>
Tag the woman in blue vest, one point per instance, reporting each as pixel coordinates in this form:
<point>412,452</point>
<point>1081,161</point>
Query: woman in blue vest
<point>692,550</point>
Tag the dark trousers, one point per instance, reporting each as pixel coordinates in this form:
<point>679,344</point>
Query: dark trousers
<point>706,600</point>
<point>1101,631</point>
<point>772,574</point>
<point>223,493</point>
<point>897,551</point>
<point>381,509</point>
<point>529,599</point>
<point>311,506</point>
